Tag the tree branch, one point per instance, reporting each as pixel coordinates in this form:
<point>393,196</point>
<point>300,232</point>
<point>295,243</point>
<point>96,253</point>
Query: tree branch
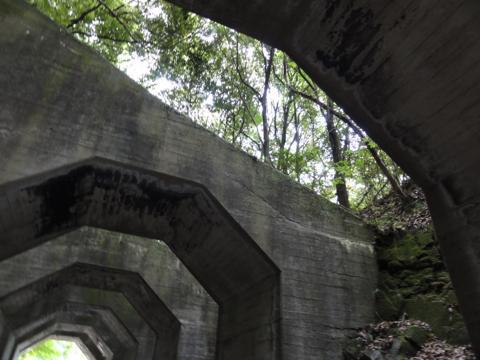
<point>120,21</point>
<point>240,76</point>
<point>364,196</point>
<point>307,80</point>
<point>104,37</point>
<point>82,16</point>
<point>383,168</point>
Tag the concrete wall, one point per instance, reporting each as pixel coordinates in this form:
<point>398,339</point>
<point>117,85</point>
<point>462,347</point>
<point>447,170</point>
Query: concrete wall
<point>407,72</point>
<point>60,104</point>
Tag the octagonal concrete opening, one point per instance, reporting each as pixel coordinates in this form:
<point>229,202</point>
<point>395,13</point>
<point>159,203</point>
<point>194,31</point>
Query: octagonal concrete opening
<point>85,337</point>
<point>151,329</point>
<point>218,252</point>
<point>99,328</point>
<point>62,346</point>
<point>152,260</point>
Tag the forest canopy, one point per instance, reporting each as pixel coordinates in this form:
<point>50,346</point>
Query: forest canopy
<point>250,94</point>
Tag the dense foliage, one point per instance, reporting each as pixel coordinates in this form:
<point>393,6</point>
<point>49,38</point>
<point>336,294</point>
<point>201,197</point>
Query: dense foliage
<point>252,95</point>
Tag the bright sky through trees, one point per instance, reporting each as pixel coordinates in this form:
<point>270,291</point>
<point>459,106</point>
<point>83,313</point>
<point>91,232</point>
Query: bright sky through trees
<point>250,94</point>
<point>53,349</point>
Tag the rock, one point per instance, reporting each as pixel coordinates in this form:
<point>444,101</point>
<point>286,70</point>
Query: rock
<point>401,348</point>
<point>416,335</point>
<point>413,280</point>
<point>395,349</point>
<point>447,325</point>
<point>389,304</point>
<point>407,348</point>
<point>371,354</point>
<point>353,349</point>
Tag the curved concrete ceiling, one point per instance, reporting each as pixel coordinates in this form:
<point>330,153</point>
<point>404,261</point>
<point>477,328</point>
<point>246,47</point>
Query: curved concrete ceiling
<point>408,73</point>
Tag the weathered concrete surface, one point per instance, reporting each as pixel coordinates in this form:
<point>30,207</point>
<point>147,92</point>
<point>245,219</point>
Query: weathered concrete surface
<point>154,327</point>
<point>61,104</point>
<point>152,260</point>
<point>104,194</point>
<point>408,72</point>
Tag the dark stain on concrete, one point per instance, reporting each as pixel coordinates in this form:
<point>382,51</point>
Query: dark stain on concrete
<point>358,29</point>
<point>331,6</point>
<point>65,200</point>
<point>59,198</point>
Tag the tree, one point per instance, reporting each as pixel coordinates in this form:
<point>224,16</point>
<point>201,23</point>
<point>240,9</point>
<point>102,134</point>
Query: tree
<point>250,94</point>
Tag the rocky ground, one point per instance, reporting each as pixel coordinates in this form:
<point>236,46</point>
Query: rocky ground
<point>417,310</point>
<point>398,340</point>
<point>392,215</point>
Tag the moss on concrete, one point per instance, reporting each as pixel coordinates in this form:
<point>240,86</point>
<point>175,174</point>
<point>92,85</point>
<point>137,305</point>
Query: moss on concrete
<point>414,283</point>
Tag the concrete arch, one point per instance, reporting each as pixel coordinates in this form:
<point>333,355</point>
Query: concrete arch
<point>102,331</point>
<point>61,104</point>
<point>71,326</point>
<point>154,327</point>
<point>408,73</point>
<point>105,194</point>
<point>125,332</point>
<point>80,339</point>
<point>152,260</point>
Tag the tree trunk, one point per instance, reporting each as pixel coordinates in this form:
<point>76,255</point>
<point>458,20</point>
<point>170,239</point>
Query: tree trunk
<point>383,168</point>
<point>335,147</point>
<point>264,104</point>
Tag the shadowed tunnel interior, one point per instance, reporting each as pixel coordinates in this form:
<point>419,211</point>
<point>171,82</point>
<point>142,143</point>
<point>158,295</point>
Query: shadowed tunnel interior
<point>152,260</point>
<point>96,329</point>
<point>150,324</point>
<point>108,195</point>
<point>22,330</point>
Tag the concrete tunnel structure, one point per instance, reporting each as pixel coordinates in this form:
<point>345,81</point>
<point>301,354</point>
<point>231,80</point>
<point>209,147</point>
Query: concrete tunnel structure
<point>96,172</point>
<point>408,73</point>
